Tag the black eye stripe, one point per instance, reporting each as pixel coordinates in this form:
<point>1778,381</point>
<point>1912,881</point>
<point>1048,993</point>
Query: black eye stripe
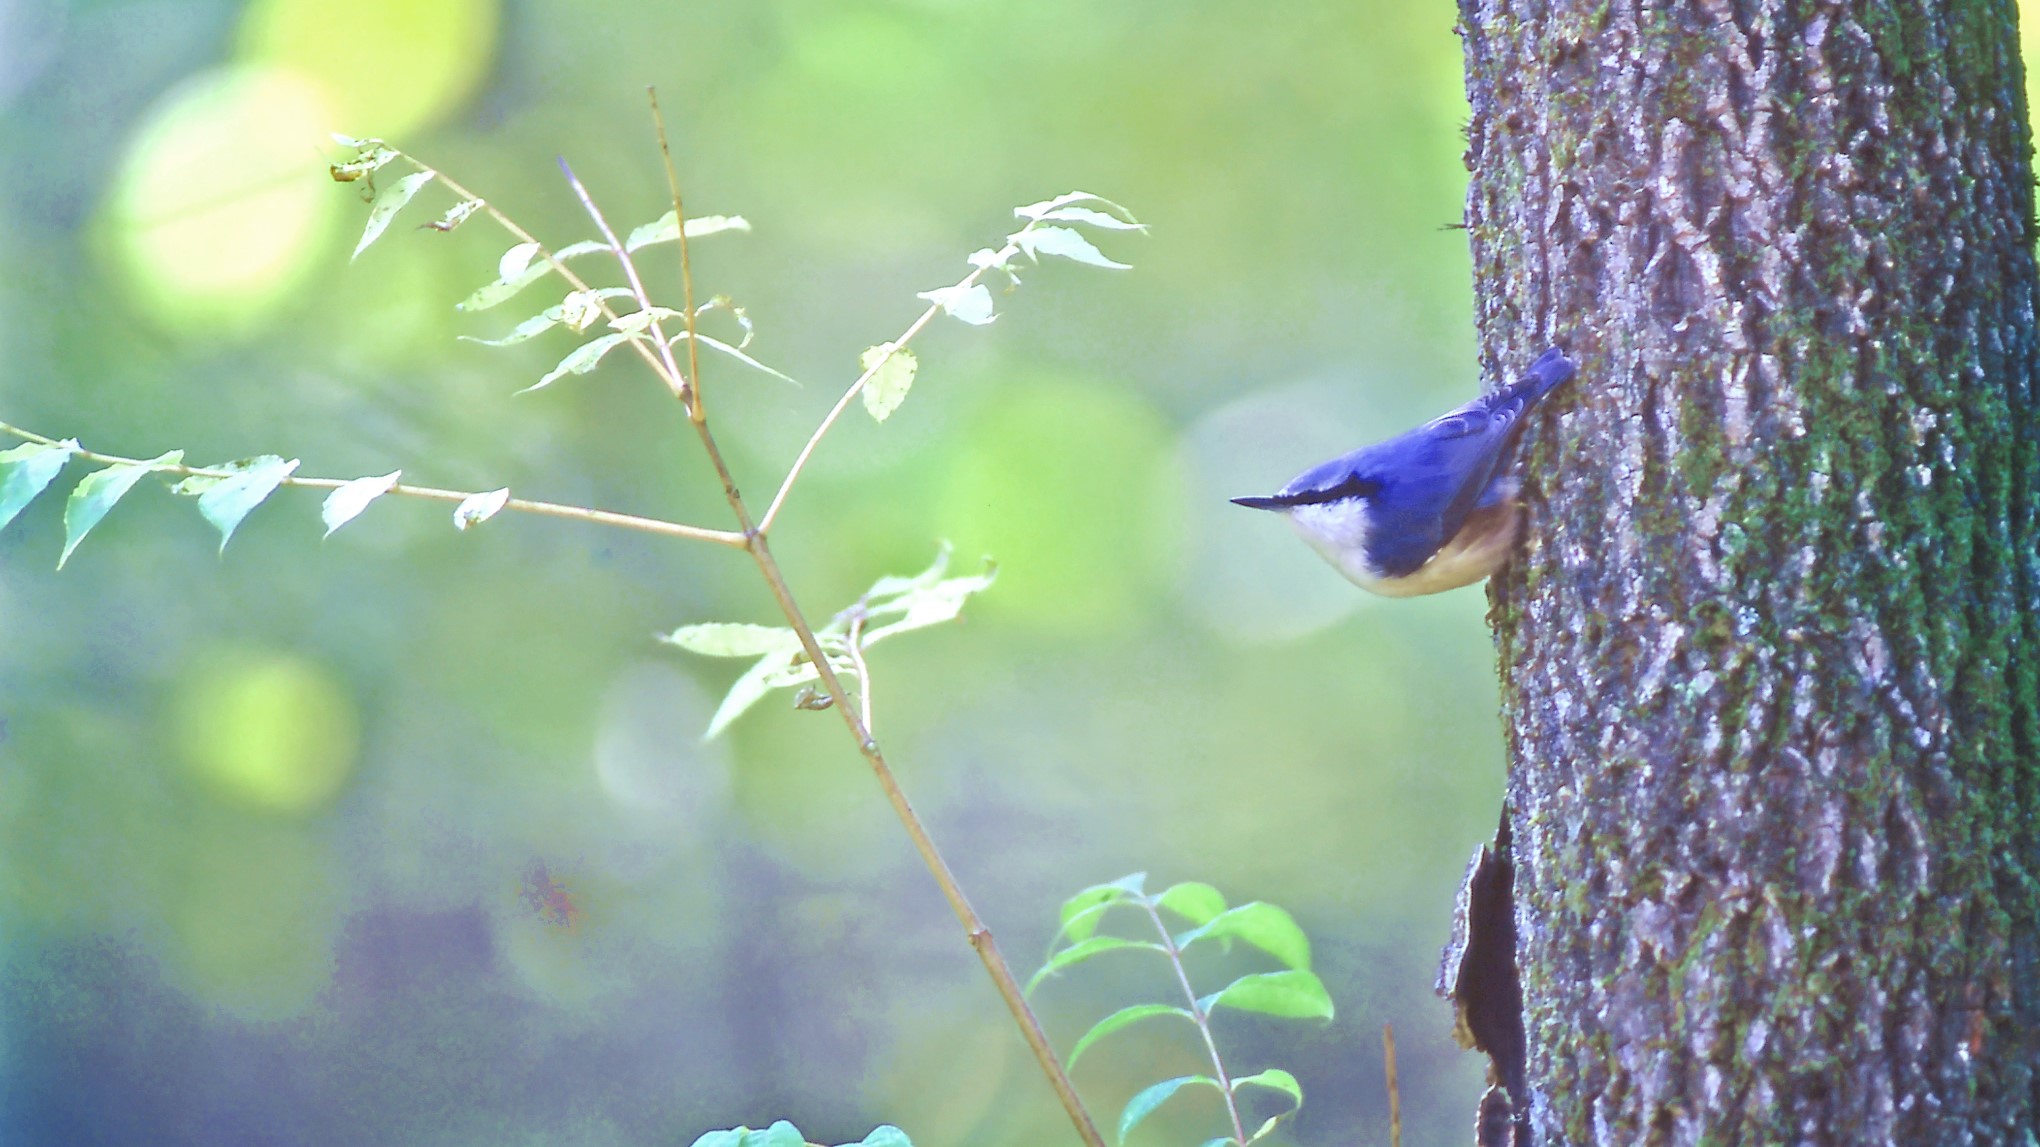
<point>1351,486</point>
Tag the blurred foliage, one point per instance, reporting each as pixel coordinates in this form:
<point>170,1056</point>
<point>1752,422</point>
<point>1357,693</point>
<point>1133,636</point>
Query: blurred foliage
<point>410,835</point>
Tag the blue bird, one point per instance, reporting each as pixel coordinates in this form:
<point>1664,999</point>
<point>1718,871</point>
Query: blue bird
<point>1426,511</point>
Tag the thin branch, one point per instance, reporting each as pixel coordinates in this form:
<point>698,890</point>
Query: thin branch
<point>843,403</point>
<point>1394,1089</point>
<point>695,409</point>
<point>1202,1018</point>
<point>857,662</point>
<point>429,493</point>
<point>980,937</point>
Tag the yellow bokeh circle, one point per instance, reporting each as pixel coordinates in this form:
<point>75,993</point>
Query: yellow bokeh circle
<point>388,67</point>
<point>222,204</point>
<point>276,733</point>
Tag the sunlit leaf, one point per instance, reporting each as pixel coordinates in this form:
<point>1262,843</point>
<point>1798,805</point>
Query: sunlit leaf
<point>893,585</point>
<point>1080,913</point>
<point>1143,1104</point>
<point>732,639</point>
<point>972,304</point>
<point>1265,926</point>
<point>930,605</point>
<point>580,360</point>
<point>780,1134</point>
<point>986,258</point>
<point>1291,995</point>
<point>1194,902</point>
<point>346,501</point>
<point>372,158</point>
<point>507,286</point>
<point>749,689</point>
<point>743,317</point>
<point>456,215</point>
<point>662,230</point>
<point>545,320</point>
<point>583,309</point>
<point>477,508</point>
<point>228,500</point>
<point>892,378</point>
<point>389,199</point>
<point>1274,1079</point>
<point>1090,217</point>
<point>1267,1125</point>
<point>1039,241</point>
<point>1041,209</point>
<point>1084,950</point>
<point>725,348</point>
<point>25,470</point>
<point>883,1135</point>
<point>516,260</point>
<point>1124,1017</point>
<point>97,492</point>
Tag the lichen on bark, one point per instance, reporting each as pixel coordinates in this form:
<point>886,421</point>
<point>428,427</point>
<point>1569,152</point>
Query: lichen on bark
<point>1771,654</point>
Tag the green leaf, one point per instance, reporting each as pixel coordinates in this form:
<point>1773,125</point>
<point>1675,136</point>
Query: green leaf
<point>929,605</point>
<point>662,230</point>
<point>1274,1079</point>
<point>507,286</point>
<point>346,501</point>
<point>547,319</point>
<point>26,470</point>
<point>893,375</point>
<point>228,500</point>
<point>580,360</point>
<point>1144,1104</point>
<point>780,1134</point>
<point>1290,995</point>
<point>389,199</point>
<point>1041,210</point>
<point>893,585</point>
<point>1267,1125</point>
<point>733,639</point>
<point>1122,1018</point>
<point>1220,1141</point>
<point>730,1138</point>
<point>1039,241</point>
<point>883,1135</point>
<point>97,492</point>
<point>1083,950</point>
<point>1080,913</point>
<point>478,508</point>
<point>517,259</point>
<point>733,352</point>
<point>1263,925</point>
<point>749,689</point>
<point>1194,902</point>
<point>972,304</point>
<point>1093,218</point>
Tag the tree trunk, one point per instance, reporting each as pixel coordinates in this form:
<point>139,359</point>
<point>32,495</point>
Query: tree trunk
<point>1770,656</point>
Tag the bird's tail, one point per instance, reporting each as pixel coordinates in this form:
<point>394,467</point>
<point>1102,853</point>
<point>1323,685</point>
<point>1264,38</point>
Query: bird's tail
<point>1550,370</point>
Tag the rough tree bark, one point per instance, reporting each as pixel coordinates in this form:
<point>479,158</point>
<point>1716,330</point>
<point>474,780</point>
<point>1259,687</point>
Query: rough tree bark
<point>1771,656</point>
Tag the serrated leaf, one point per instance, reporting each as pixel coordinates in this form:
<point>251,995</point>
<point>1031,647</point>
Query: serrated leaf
<point>1265,926</point>
<point>1143,1104</point>
<point>230,499</point>
<point>477,508</point>
<point>1081,912</point>
<point>1290,995</point>
<point>1124,1017</point>
<point>1091,218</point>
<point>893,375</point>
<point>25,470</point>
<point>456,215</point>
<point>1195,902</point>
<point>97,492</point>
<point>1274,1079</point>
<point>1038,210</point>
<point>972,304</point>
<point>883,1135</point>
<point>1061,241</point>
<point>719,345</point>
<point>732,639</point>
<point>389,199</point>
<point>1084,950</point>
<point>345,502</point>
<point>663,230</point>
<point>580,360</point>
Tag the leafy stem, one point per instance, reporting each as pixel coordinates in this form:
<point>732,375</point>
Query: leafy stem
<point>429,493</point>
<point>1200,1017</point>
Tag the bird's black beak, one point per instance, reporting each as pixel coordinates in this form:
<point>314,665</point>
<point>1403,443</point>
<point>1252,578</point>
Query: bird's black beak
<point>1276,503</point>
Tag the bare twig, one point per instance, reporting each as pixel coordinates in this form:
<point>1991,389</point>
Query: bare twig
<point>856,642</point>
<point>1201,1017</point>
<point>1394,1089</point>
<point>980,937</point>
<point>429,493</point>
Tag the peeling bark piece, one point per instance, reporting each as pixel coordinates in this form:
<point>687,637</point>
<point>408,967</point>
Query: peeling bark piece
<point>1478,975</point>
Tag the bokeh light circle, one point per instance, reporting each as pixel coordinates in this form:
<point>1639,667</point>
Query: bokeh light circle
<point>387,67</point>
<point>275,733</point>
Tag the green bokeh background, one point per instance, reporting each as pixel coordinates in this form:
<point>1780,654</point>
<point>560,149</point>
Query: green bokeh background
<point>409,835</point>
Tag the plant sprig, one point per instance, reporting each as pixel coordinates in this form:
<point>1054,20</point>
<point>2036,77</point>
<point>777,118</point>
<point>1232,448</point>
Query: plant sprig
<point>1294,992</point>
